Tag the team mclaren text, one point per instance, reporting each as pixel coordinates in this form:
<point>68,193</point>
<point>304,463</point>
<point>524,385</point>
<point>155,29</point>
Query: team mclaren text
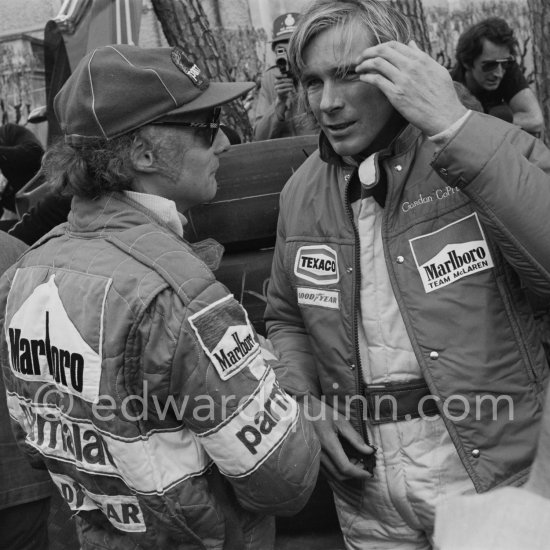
<point>472,260</point>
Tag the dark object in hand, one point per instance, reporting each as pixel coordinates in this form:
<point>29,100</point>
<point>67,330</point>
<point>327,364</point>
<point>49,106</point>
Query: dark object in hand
<point>368,462</point>
<point>281,60</point>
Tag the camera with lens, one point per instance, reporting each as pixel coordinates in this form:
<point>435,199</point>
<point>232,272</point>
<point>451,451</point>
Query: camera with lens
<point>281,60</point>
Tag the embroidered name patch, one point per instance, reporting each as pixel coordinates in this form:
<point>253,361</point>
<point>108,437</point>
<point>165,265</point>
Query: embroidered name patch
<point>318,297</point>
<point>451,253</point>
<point>226,336</point>
<point>317,264</point>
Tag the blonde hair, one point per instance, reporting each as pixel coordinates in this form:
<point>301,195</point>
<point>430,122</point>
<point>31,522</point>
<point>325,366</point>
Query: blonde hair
<point>379,18</point>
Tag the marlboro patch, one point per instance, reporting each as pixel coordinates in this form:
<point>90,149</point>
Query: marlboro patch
<point>46,346</point>
<point>317,264</point>
<point>226,336</point>
<point>455,251</point>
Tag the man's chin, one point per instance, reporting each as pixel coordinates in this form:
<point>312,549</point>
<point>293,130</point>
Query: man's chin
<point>347,147</point>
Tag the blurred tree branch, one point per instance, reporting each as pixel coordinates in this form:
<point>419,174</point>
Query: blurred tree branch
<point>414,10</point>
<point>539,13</point>
<point>185,24</point>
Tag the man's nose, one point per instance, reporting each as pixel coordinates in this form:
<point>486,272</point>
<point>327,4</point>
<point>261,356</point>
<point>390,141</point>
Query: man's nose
<point>499,71</point>
<point>331,98</point>
<point>221,143</point>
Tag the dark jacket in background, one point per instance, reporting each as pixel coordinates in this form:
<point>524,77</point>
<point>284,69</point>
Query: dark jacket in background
<point>20,159</point>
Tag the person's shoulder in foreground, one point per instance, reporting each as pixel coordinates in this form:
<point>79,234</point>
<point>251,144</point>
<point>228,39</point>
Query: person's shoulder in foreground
<point>117,334</point>
<point>511,518</point>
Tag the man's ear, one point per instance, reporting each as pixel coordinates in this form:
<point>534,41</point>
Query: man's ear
<point>142,155</point>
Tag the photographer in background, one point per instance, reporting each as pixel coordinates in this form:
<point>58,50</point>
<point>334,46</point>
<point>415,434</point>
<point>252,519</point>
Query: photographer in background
<point>278,112</point>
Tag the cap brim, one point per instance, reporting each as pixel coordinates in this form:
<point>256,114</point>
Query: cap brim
<point>282,38</point>
<point>216,94</point>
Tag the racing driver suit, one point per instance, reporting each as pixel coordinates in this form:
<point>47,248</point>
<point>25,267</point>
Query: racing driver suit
<point>424,287</point>
<point>138,381</point>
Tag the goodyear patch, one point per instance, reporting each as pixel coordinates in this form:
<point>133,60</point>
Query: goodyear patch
<point>226,336</point>
<point>317,264</point>
<point>329,299</point>
<point>123,511</point>
<point>451,253</point>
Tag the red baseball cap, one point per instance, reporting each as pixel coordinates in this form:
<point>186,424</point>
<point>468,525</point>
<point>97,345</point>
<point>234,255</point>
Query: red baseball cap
<point>118,88</point>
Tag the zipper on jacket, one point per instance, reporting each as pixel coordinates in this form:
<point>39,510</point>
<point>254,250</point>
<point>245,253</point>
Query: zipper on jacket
<point>359,383</point>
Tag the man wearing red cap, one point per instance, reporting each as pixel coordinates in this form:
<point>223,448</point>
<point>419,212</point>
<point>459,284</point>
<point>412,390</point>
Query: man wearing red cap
<point>132,375</point>
<point>278,112</point>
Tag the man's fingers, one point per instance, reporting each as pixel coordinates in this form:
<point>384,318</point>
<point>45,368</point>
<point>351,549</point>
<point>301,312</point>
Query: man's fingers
<point>285,79</point>
<point>395,52</point>
<point>378,65</point>
<point>385,85</point>
<point>344,469</point>
<point>284,88</point>
<point>350,440</point>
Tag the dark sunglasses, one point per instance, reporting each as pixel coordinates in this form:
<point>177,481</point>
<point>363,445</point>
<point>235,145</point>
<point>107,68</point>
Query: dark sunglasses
<point>208,130</point>
<point>492,64</point>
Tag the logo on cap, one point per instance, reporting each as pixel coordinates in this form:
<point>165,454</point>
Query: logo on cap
<point>190,69</point>
<point>284,25</point>
<point>289,22</point>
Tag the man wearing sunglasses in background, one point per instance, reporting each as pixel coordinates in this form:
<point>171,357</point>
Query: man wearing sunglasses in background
<point>132,375</point>
<point>486,66</point>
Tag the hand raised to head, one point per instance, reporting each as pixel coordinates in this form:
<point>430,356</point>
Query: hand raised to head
<point>415,84</point>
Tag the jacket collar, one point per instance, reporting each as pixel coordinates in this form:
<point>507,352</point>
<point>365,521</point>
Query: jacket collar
<point>118,213</point>
<point>407,135</point>
<point>110,212</point>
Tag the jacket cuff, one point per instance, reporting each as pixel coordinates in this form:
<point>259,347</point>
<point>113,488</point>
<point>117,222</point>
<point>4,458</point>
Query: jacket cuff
<point>295,385</point>
<point>465,155</point>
